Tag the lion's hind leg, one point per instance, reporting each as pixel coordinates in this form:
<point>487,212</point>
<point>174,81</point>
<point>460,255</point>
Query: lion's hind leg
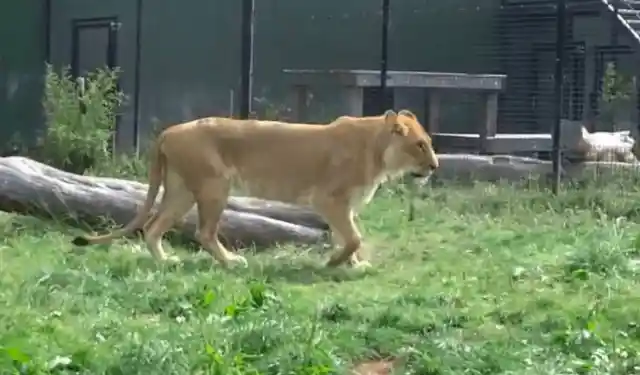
<point>211,199</point>
<point>176,202</point>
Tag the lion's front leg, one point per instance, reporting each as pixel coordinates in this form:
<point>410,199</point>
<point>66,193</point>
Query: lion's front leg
<point>355,260</point>
<point>340,218</point>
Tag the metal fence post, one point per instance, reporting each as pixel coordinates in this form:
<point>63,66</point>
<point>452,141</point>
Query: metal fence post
<point>558,84</point>
<point>137,77</point>
<point>384,55</point>
<point>246,58</point>
<point>47,30</point>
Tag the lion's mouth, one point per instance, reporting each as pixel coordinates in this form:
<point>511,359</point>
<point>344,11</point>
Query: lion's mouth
<point>421,178</point>
<point>421,174</point>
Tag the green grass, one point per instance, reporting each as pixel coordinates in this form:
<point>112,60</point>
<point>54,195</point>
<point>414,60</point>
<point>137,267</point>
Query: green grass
<point>489,280</point>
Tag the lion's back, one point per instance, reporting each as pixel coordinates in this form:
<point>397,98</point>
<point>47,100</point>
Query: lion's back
<point>277,160</point>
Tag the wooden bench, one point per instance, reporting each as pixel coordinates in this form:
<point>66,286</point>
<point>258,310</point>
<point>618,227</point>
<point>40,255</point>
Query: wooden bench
<point>419,91</point>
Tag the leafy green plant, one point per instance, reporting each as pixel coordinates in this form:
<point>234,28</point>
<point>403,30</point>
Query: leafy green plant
<point>616,97</point>
<point>80,118</point>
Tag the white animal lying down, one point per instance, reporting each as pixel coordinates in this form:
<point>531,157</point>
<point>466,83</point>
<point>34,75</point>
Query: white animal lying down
<point>607,146</point>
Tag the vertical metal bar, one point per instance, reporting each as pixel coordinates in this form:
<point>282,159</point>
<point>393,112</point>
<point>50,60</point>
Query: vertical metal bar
<point>75,49</point>
<point>594,96</point>
<point>47,31</point>
<point>112,62</point>
<point>112,44</point>
<point>637,81</point>
<point>246,58</point>
<point>136,74</point>
<point>558,84</point>
<point>384,55</point>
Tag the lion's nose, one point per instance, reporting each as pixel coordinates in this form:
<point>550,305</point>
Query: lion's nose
<point>433,166</point>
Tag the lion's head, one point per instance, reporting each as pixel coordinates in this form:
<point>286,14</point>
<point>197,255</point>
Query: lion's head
<point>411,149</point>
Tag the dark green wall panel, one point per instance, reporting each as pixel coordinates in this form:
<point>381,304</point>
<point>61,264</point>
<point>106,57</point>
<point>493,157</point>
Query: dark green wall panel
<point>21,67</point>
<point>190,50</point>
<point>65,11</point>
<point>424,35</point>
<point>190,55</point>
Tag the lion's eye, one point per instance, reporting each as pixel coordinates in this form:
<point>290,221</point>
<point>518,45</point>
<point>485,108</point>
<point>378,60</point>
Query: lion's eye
<point>422,145</point>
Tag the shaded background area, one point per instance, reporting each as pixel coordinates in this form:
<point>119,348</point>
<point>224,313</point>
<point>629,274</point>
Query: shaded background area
<point>22,56</point>
<point>189,55</point>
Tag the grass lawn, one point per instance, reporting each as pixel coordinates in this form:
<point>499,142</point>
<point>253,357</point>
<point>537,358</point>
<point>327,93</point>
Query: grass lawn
<point>490,280</point>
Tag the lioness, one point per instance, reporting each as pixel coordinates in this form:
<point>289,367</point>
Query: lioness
<point>331,168</point>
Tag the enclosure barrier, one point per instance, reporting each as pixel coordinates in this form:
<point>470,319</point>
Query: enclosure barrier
<point>490,78</point>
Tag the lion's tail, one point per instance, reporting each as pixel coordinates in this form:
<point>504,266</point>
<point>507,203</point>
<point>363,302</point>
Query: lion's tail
<point>158,163</point>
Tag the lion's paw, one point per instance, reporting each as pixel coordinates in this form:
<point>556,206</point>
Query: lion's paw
<point>172,259</point>
<point>237,261</point>
<point>363,264</point>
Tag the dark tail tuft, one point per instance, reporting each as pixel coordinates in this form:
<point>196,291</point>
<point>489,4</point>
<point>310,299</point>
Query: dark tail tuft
<point>80,241</point>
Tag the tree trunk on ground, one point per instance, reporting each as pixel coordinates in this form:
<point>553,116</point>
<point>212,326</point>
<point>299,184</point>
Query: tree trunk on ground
<point>468,168</point>
<point>30,187</point>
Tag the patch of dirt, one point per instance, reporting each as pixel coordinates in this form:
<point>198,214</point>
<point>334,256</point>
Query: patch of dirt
<point>379,367</point>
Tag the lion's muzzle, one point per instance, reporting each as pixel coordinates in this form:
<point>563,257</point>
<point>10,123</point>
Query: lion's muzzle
<point>423,173</point>
<point>421,179</point>
<point>418,175</point>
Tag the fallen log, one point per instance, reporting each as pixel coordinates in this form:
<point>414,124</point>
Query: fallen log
<point>277,210</point>
<point>470,168</point>
<point>494,168</point>
<point>30,187</point>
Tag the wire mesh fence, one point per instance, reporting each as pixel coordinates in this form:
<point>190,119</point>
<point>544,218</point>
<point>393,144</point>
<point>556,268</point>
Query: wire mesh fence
<point>542,89</point>
<point>487,78</point>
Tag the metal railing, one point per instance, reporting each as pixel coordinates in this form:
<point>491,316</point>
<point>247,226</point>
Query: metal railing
<point>628,13</point>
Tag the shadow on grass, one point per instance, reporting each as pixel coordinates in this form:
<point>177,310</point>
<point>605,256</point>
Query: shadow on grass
<point>299,272</point>
<point>308,273</point>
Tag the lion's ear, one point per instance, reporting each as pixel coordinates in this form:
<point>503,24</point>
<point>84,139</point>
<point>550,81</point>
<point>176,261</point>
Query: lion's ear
<point>408,113</point>
<point>390,117</point>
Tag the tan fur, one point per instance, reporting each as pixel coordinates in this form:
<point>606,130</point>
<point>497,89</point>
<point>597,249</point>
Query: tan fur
<point>332,168</point>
